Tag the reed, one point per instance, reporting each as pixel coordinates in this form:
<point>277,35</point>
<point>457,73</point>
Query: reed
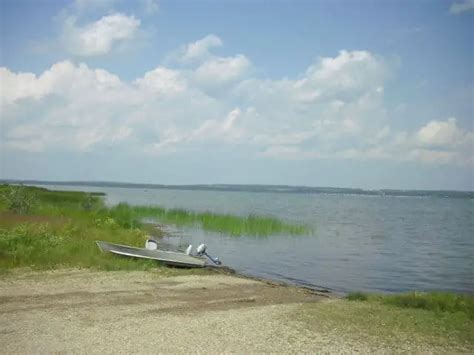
<point>251,225</point>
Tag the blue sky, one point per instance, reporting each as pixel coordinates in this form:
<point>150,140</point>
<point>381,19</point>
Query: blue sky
<point>372,94</point>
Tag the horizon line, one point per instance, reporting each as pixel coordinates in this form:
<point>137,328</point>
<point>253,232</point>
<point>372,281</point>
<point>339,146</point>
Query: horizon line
<point>92,182</point>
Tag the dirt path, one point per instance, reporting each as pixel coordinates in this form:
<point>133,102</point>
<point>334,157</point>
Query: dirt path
<point>110,312</point>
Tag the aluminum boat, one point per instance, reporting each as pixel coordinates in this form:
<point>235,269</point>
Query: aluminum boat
<point>166,257</point>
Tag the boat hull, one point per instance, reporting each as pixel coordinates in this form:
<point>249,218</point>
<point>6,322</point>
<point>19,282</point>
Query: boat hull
<point>166,257</point>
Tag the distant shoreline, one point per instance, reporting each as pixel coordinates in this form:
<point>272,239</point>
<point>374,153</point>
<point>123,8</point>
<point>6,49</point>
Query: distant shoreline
<point>255,188</point>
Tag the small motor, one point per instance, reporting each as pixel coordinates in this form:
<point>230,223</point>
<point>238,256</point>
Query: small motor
<point>151,244</point>
<point>201,249</point>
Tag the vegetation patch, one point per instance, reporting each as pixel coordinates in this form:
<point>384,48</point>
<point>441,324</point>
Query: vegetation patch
<point>430,301</point>
<point>60,230</point>
<point>375,325</point>
<point>357,296</point>
<point>251,225</point>
<point>44,229</point>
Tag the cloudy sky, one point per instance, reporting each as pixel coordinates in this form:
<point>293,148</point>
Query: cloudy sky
<point>371,94</point>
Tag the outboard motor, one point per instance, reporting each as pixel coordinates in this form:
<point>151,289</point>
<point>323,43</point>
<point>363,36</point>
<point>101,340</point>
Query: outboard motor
<point>201,250</point>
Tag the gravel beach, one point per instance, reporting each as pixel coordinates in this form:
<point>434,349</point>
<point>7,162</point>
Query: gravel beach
<point>81,311</point>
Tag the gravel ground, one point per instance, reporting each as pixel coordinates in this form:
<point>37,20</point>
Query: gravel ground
<point>126,312</point>
<point>78,311</point>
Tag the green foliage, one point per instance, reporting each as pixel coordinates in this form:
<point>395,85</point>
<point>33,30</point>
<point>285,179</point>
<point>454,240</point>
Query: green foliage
<point>433,301</point>
<point>107,222</point>
<point>88,203</point>
<point>252,225</point>
<point>61,228</point>
<point>379,326</point>
<point>89,206</point>
<point>43,246</point>
<point>357,296</point>
<point>18,199</point>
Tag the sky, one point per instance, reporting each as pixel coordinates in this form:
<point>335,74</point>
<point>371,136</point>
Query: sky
<point>355,93</point>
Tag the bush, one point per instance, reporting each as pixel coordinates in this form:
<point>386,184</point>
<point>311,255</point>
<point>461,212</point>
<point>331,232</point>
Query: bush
<point>18,199</point>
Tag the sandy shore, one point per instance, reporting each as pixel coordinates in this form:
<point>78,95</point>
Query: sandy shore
<point>79,311</point>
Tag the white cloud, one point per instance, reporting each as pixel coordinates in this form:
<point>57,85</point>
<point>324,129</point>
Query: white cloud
<point>334,110</point>
<point>162,81</point>
<point>208,70</point>
<point>349,73</point>
<point>225,129</point>
<point>98,38</point>
<point>74,108</point>
<point>17,86</point>
<point>460,7</point>
<point>219,71</point>
<point>62,78</point>
<point>200,48</point>
<point>212,130</point>
<point>441,134</point>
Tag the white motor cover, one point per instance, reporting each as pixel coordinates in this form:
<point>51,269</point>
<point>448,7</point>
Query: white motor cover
<point>189,249</point>
<point>150,244</point>
<point>201,249</point>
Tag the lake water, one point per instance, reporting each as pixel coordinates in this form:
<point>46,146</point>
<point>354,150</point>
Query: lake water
<point>368,243</point>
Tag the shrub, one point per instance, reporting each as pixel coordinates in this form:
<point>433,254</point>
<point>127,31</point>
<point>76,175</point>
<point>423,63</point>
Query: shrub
<point>18,199</point>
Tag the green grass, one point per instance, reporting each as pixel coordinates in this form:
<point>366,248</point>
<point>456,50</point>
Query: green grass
<point>430,301</point>
<point>375,326</point>
<point>251,225</point>
<point>357,296</point>
<point>59,228</point>
<point>433,321</point>
<point>47,246</point>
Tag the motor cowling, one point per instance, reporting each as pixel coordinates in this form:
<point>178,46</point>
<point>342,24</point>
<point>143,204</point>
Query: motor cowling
<point>201,249</point>
<point>151,244</point>
<point>189,249</point>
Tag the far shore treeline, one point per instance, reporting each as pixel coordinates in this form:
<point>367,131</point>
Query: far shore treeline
<point>256,188</point>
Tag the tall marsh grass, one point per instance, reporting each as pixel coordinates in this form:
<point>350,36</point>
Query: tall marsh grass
<point>250,225</point>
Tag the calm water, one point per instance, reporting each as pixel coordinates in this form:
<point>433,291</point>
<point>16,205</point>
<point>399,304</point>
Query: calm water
<point>370,243</point>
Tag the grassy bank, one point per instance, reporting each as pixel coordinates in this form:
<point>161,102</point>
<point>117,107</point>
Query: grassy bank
<point>441,320</point>
<point>440,302</point>
<point>42,229</point>
<point>378,324</point>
